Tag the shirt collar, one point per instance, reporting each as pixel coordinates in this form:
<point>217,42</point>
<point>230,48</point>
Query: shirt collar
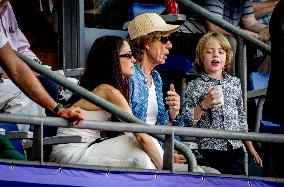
<point>205,77</point>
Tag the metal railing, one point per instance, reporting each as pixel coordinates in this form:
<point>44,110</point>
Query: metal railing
<point>134,127</point>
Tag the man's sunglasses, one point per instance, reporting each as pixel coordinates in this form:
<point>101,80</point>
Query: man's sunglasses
<point>165,39</point>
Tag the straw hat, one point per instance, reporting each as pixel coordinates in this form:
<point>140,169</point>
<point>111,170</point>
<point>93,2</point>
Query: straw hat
<point>146,23</point>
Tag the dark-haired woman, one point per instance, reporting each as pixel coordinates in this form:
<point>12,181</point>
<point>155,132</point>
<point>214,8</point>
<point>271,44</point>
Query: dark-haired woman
<point>110,63</point>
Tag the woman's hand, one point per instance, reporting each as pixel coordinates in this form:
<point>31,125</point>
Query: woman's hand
<point>173,101</point>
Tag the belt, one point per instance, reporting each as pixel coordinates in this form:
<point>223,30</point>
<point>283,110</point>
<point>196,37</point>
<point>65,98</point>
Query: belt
<point>98,140</point>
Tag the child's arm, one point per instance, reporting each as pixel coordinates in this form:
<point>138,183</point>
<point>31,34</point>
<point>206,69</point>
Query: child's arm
<point>256,157</point>
<point>206,103</point>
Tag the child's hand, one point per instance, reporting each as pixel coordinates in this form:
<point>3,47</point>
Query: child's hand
<point>209,100</point>
<point>257,159</point>
<point>173,101</point>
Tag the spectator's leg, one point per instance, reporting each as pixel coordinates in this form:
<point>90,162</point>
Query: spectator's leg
<point>17,102</point>
<point>237,160</point>
<point>215,159</point>
<point>7,150</point>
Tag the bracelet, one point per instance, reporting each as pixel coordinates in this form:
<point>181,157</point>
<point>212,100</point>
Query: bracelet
<point>202,108</point>
<point>172,120</point>
<point>57,108</point>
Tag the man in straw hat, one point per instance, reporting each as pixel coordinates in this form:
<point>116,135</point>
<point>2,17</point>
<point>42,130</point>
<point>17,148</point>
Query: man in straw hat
<point>150,44</point>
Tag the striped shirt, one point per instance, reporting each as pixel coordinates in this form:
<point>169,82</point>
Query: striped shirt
<point>230,10</point>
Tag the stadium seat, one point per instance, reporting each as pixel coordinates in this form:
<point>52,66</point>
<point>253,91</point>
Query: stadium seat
<point>260,81</point>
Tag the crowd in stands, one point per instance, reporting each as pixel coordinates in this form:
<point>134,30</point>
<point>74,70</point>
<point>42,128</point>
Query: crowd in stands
<point>122,71</point>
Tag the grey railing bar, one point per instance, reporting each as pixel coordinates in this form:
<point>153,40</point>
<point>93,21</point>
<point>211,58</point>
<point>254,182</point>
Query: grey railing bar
<point>134,127</point>
<point>109,107</point>
<point>256,93</point>
<point>203,13</point>
<point>168,155</point>
<point>241,64</point>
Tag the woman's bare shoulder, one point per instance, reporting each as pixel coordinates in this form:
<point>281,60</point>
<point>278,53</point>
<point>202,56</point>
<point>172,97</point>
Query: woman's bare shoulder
<point>106,89</point>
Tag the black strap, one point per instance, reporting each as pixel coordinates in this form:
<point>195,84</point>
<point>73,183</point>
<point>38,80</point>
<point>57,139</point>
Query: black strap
<point>98,140</point>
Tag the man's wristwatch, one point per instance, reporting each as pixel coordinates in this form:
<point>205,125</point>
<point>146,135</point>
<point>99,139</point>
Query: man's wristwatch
<point>57,108</point>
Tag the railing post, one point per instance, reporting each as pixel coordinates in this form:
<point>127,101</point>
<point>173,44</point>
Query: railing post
<point>37,149</point>
<point>241,67</point>
<point>168,159</point>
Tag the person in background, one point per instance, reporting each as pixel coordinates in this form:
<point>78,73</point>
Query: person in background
<point>109,66</point>
<point>201,108</point>
<point>273,105</point>
<point>16,101</point>
<point>237,12</point>
<point>25,79</point>
<point>263,9</point>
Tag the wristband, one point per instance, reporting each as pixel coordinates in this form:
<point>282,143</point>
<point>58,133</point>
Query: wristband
<point>57,108</point>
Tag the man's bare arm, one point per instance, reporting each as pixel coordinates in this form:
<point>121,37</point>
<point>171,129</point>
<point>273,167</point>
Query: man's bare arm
<point>25,79</point>
<point>263,8</point>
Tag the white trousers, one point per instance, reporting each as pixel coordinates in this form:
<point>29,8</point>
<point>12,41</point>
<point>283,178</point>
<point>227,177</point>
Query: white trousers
<point>14,101</point>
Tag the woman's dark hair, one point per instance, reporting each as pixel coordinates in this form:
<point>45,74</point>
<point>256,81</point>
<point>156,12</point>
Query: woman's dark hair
<point>103,66</point>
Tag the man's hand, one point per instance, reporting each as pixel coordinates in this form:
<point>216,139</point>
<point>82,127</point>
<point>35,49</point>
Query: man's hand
<point>173,100</point>
<point>74,115</point>
<point>179,158</point>
<point>264,34</point>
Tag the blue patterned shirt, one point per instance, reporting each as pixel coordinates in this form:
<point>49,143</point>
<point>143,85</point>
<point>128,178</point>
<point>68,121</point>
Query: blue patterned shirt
<point>139,93</point>
<point>230,116</point>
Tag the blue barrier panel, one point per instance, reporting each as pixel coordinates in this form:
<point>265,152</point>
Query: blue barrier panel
<point>35,175</point>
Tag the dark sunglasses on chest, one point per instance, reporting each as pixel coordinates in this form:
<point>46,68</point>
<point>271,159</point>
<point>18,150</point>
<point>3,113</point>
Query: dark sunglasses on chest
<point>165,39</point>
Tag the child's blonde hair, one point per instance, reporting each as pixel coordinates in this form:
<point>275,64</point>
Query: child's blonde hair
<point>201,49</point>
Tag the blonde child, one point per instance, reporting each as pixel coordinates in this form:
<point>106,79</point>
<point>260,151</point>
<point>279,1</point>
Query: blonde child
<point>201,106</point>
